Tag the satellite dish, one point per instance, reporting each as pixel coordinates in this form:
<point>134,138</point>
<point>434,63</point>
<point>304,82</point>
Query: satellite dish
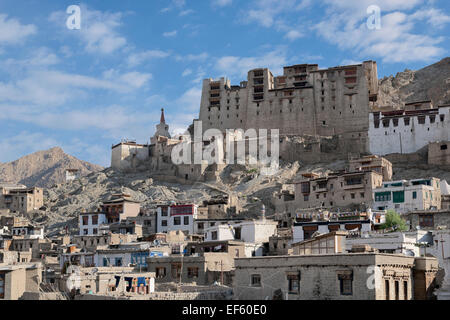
<point>156,242</point>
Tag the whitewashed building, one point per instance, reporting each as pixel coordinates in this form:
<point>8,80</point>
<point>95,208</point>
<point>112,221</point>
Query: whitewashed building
<point>254,233</point>
<point>408,195</point>
<point>176,218</point>
<point>408,130</point>
<point>90,223</point>
<point>393,242</point>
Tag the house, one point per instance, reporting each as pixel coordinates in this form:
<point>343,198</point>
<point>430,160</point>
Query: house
<point>22,200</point>
<point>428,219</point>
<point>324,222</point>
<point>342,189</point>
<point>200,270</point>
<point>280,243</point>
<point>29,231</point>
<point>372,163</point>
<point>255,233</point>
<point>17,279</point>
<point>201,224</point>
<point>330,243</point>
<point>120,207</point>
<point>408,195</point>
<point>176,218</point>
<point>90,222</point>
<point>107,281</point>
<point>341,276</point>
<point>393,242</point>
<point>129,254</point>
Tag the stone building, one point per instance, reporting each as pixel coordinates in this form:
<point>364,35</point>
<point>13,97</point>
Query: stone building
<point>305,100</point>
<point>372,163</point>
<point>17,279</point>
<point>439,153</point>
<point>22,200</point>
<point>354,276</point>
<point>404,196</point>
<point>337,189</point>
<point>428,219</point>
<point>201,270</point>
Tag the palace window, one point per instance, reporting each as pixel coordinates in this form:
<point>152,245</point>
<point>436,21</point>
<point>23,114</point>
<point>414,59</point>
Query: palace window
<point>255,280</point>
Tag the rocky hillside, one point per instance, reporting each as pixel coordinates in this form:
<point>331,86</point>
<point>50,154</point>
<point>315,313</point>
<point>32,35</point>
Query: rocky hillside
<point>430,83</point>
<point>43,168</point>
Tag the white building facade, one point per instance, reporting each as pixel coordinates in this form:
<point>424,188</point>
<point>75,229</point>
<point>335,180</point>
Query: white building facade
<point>91,223</point>
<point>176,218</point>
<point>404,196</point>
<point>407,131</point>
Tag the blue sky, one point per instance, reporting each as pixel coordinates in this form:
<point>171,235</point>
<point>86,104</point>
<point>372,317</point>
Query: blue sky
<point>86,89</point>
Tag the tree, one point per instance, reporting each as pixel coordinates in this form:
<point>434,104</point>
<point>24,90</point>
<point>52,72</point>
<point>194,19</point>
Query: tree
<point>395,221</point>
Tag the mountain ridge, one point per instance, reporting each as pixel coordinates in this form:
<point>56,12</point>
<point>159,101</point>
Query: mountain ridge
<point>44,168</point>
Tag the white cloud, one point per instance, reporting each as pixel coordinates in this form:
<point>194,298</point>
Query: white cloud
<point>47,88</point>
<point>24,143</point>
<point>266,12</point>
<point>13,32</point>
<point>397,41</point>
<point>186,72</point>
<point>170,34</point>
<point>222,3</point>
<point>190,100</point>
<point>193,57</point>
<point>186,12</point>
<point>98,30</point>
<point>293,35</point>
<point>136,59</point>
<point>239,66</point>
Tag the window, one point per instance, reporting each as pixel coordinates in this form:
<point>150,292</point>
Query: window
<point>236,251</point>
<point>177,221</point>
<point>186,221</point>
<point>214,235</point>
<point>256,280</point>
<point>85,220</point>
<point>164,212</point>
<point>386,290</point>
<point>414,195</point>
<point>119,262</point>
<point>105,262</point>
<point>237,233</point>
<point>176,270</point>
<point>160,272</point>
<point>353,196</point>
<point>426,221</point>
<point>163,223</point>
<point>444,147</point>
<point>293,283</point>
<point>397,290</point>
<point>201,225</point>
<point>346,282</point>
<point>362,194</point>
<point>405,290</point>
<point>95,231</point>
<point>95,220</point>
<point>192,272</point>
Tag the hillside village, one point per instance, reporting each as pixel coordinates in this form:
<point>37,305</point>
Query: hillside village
<point>362,184</point>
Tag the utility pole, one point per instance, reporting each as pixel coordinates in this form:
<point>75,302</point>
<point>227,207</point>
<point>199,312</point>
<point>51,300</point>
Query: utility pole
<point>442,247</point>
<point>221,272</point>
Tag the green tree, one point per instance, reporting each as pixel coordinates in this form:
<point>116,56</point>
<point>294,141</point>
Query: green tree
<point>395,221</point>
